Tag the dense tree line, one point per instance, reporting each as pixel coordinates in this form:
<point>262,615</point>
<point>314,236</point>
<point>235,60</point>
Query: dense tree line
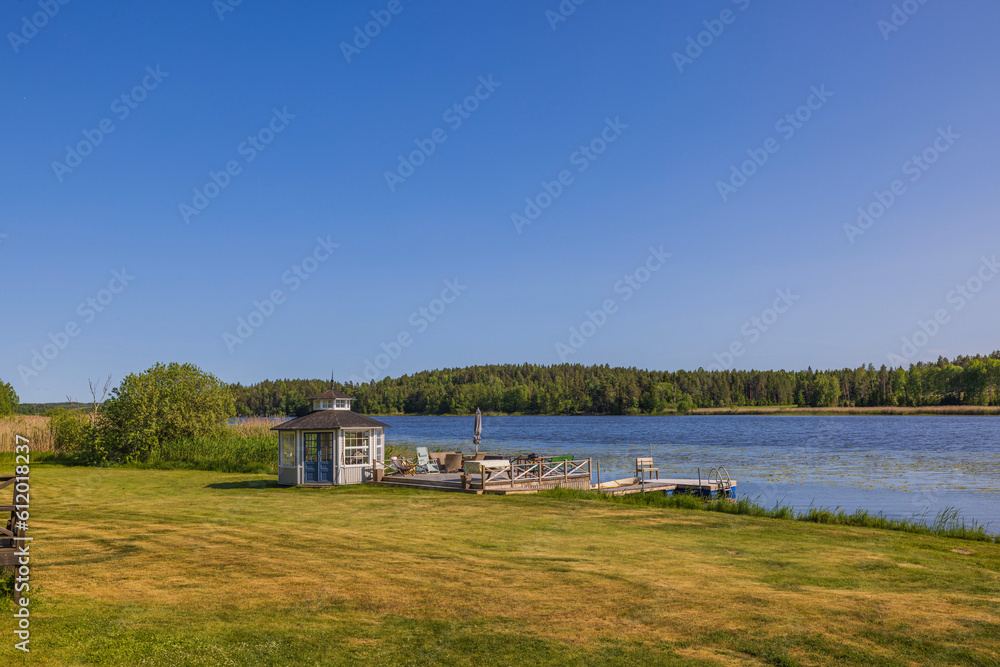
<point>575,389</point>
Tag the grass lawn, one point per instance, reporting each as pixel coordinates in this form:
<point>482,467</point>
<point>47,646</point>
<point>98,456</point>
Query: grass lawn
<point>188,567</point>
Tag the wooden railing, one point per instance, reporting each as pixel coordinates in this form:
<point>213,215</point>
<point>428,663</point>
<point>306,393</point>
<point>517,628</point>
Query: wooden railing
<point>531,472</point>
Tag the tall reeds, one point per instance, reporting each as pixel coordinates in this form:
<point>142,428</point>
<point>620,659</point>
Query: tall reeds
<point>35,428</point>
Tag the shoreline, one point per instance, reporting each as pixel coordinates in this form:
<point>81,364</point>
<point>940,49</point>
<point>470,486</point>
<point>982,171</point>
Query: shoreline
<point>883,411</point>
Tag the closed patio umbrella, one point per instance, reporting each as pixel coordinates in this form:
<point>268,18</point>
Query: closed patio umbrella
<point>477,432</point>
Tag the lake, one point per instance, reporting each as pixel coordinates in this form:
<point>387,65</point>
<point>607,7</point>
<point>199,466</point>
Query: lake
<point>901,466</point>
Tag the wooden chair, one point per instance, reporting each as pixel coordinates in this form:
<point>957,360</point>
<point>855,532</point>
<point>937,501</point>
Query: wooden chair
<point>645,467</point>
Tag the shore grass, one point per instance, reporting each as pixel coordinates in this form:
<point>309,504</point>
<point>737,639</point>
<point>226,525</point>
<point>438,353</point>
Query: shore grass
<point>947,523</point>
<point>206,568</point>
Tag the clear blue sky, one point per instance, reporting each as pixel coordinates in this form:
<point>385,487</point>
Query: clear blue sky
<point>323,175</point>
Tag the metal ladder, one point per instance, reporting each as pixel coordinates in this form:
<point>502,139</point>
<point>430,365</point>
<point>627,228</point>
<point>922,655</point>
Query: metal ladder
<point>720,476</point>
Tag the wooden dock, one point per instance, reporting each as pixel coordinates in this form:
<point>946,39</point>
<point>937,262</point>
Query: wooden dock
<point>508,478</point>
<point>630,485</point>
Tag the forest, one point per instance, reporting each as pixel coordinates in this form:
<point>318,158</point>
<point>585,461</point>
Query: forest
<point>575,389</point>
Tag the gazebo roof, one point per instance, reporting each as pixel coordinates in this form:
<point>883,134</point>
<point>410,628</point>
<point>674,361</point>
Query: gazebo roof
<point>328,420</point>
<point>331,393</point>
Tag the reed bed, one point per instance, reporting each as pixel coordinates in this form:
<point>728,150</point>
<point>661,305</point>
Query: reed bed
<point>245,446</point>
<point>35,428</point>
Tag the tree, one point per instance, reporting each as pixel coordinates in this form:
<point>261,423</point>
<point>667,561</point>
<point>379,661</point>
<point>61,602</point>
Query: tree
<point>8,399</point>
<point>165,403</point>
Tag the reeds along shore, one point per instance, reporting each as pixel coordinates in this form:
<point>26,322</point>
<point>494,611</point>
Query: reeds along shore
<point>35,428</point>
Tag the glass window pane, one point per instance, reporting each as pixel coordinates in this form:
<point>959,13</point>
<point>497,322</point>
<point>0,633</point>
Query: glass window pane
<point>287,448</point>
<point>326,447</point>
<point>356,448</point>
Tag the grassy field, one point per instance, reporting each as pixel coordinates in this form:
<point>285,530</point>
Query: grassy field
<point>190,567</point>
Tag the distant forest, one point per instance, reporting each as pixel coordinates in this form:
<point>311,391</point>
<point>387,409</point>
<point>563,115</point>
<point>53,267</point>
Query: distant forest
<point>575,389</point>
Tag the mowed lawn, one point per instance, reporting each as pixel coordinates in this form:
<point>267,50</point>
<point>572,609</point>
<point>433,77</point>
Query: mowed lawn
<point>188,568</point>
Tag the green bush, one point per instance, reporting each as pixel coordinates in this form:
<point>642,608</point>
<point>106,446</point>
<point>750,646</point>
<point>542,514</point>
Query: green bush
<point>168,402</point>
<point>71,430</point>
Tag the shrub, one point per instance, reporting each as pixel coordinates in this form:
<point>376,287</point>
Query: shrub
<point>166,403</point>
<point>71,430</point>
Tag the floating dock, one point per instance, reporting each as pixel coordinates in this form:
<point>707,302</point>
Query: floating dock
<point>703,487</point>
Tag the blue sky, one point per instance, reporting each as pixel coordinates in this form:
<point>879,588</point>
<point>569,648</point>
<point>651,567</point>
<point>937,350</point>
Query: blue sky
<point>518,292</point>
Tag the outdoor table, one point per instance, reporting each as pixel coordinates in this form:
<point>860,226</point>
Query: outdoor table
<point>475,467</point>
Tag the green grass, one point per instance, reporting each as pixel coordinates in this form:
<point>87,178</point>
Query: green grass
<point>947,523</point>
<point>206,568</point>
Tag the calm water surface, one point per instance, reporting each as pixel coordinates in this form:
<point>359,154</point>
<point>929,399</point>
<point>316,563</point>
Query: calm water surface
<point>902,466</point>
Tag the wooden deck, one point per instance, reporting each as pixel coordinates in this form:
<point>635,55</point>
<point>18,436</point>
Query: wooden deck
<point>474,483</point>
<point>512,478</point>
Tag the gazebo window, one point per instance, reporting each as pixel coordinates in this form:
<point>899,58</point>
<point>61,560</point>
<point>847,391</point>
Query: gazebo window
<point>341,404</point>
<point>309,441</point>
<point>287,448</point>
<point>356,447</point>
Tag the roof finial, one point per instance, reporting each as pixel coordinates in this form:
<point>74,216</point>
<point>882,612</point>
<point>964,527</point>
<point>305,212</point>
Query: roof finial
<point>331,379</point>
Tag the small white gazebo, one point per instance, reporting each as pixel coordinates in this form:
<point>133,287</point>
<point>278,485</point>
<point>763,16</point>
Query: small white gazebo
<point>330,445</point>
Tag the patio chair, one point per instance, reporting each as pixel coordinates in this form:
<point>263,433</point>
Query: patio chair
<point>400,466</point>
<point>453,462</point>
<point>424,461</point>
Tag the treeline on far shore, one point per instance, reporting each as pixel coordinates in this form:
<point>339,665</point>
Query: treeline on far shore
<point>575,389</point>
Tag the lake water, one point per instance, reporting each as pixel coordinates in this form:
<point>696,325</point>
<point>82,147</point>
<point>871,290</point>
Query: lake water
<point>901,466</point>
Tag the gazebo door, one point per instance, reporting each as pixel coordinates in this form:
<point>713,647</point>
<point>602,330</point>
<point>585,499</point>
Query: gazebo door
<point>318,458</point>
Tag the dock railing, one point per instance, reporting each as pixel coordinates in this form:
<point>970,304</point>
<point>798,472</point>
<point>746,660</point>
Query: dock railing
<point>532,472</point>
